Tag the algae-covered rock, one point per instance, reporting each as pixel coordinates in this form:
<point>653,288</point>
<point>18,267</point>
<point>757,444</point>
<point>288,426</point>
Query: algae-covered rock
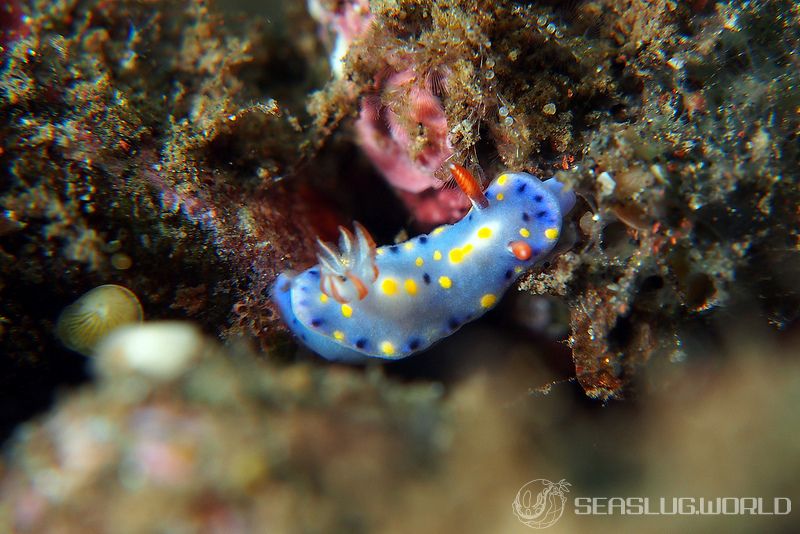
<point>190,153</point>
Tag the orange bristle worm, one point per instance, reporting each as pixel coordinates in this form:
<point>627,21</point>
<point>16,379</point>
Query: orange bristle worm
<point>469,185</point>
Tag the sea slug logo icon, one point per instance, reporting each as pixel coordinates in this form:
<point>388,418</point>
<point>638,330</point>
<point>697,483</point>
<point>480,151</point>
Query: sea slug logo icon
<point>540,503</point>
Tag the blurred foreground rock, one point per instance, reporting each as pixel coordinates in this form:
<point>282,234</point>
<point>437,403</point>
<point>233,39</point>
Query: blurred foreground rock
<point>181,434</point>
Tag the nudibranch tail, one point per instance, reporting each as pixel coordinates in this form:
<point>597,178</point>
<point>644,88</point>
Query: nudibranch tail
<point>566,198</point>
<point>347,275</point>
<point>467,182</point>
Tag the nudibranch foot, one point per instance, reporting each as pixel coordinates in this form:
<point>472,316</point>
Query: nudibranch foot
<point>364,302</point>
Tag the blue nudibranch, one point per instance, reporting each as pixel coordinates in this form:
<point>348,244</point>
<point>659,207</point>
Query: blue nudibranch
<point>365,302</point>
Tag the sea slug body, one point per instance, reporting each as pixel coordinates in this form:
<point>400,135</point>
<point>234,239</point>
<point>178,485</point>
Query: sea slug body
<point>365,302</point>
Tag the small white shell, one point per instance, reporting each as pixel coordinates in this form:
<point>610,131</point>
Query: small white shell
<point>99,311</point>
<point>160,350</point>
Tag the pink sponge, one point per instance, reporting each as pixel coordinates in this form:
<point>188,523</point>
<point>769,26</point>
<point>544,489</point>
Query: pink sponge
<point>404,132</point>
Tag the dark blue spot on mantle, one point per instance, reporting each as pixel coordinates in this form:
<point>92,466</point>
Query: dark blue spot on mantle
<point>361,343</point>
<point>426,278</point>
<point>538,198</point>
<point>526,217</point>
<point>521,187</point>
<point>414,343</point>
<point>423,239</point>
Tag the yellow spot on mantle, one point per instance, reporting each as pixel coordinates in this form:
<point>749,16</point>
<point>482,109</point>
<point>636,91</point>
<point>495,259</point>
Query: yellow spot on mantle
<point>488,300</point>
<point>323,298</point>
<point>338,335</point>
<point>438,230</point>
<point>347,311</point>
<point>485,232</point>
<point>380,251</point>
<point>458,254</point>
<point>445,282</point>
<point>411,286</point>
<point>419,262</point>
<point>551,233</point>
<point>502,179</point>
<point>524,232</point>
<point>389,286</point>
<point>437,255</point>
<point>500,196</point>
<point>387,348</point>
<point>409,245</point>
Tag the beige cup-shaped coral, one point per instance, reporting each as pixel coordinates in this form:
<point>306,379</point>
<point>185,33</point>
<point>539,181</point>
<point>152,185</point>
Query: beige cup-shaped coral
<point>99,311</point>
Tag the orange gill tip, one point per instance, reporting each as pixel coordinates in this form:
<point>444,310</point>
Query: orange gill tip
<point>469,185</point>
<point>521,250</point>
<point>328,287</point>
<point>359,285</point>
<point>365,237</point>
